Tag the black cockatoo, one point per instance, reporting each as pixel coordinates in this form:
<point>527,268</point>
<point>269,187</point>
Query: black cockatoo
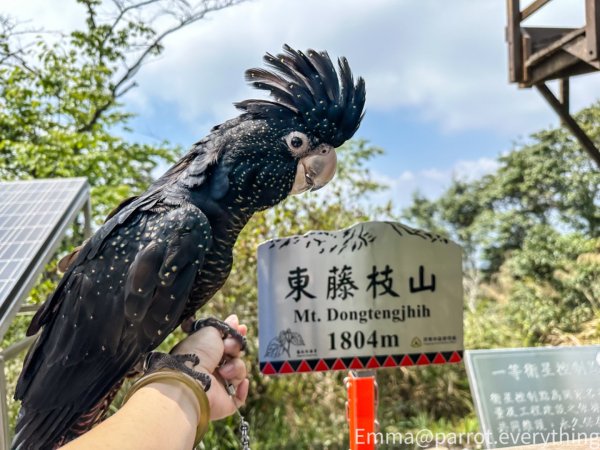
<point>161,256</point>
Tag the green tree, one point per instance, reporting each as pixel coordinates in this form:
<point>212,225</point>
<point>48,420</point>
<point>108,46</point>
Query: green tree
<point>61,110</point>
<point>547,181</point>
<point>531,230</point>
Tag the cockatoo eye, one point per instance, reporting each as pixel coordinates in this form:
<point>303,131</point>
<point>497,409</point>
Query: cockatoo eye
<point>297,143</point>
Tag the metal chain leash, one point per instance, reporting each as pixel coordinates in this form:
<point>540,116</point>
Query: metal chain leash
<point>244,425</point>
<point>244,437</point>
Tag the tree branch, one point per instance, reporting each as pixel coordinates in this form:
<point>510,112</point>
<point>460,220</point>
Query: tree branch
<point>17,55</point>
<point>91,15</point>
<point>188,16</point>
<point>183,22</point>
<point>122,11</point>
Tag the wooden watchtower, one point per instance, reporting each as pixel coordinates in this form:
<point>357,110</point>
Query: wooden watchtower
<point>537,55</point>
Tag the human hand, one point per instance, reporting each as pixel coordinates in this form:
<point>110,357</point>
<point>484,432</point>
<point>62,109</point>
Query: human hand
<point>210,347</point>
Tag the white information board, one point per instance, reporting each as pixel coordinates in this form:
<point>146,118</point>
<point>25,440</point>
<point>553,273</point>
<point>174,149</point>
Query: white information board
<point>539,395</point>
<point>378,294</point>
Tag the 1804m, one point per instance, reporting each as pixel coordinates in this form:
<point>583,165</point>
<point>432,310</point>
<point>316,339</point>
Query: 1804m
<point>357,339</point>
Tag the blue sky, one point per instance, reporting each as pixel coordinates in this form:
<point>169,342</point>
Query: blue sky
<point>438,99</point>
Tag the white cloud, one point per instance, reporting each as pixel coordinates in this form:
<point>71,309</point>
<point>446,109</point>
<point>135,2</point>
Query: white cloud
<point>474,169</point>
<point>406,176</point>
<point>446,61</point>
<point>431,182</point>
<point>45,15</point>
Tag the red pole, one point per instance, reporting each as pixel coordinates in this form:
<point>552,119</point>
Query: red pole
<point>361,409</point>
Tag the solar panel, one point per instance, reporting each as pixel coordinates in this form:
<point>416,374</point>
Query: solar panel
<point>34,215</point>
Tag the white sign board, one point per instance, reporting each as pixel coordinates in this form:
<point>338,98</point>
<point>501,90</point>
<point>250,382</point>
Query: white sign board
<point>378,294</point>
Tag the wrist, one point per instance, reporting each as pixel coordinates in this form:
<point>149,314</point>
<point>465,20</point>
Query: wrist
<point>179,393</point>
<point>181,396</point>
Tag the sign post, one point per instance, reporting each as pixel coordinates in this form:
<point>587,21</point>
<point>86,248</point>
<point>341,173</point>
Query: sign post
<point>375,295</point>
<point>361,409</point>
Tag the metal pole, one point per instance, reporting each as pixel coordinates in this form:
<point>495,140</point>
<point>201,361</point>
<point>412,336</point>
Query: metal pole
<point>5,355</point>
<point>14,350</point>
<point>87,216</point>
<point>30,308</point>
<point>4,430</point>
<point>570,123</point>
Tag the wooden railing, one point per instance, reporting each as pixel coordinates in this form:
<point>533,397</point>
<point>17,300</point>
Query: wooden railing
<point>537,55</point>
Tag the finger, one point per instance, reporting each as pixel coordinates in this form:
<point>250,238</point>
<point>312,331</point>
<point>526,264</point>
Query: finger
<point>232,347</point>
<point>241,393</point>
<point>233,371</point>
<point>232,321</point>
<point>204,334</point>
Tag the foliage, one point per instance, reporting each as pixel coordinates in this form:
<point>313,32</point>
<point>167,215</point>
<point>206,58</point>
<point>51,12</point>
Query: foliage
<point>547,181</point>
<point>530,235</point>
<point>60,99</point>
<point>530,230</point>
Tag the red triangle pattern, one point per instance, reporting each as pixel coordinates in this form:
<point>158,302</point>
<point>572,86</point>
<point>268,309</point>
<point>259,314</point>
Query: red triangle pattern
<point>389,362</point>
<point>455,358</point>
<point>356,364</point>
<point>406,361</point>
<point>422,361</point>
<point>303,367</point>
<point>321,365</point>
<point>373,363</point>
<point>338,365</point>
<point>268,369</point>
<point>439,359</point>
<point>286,368</point>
